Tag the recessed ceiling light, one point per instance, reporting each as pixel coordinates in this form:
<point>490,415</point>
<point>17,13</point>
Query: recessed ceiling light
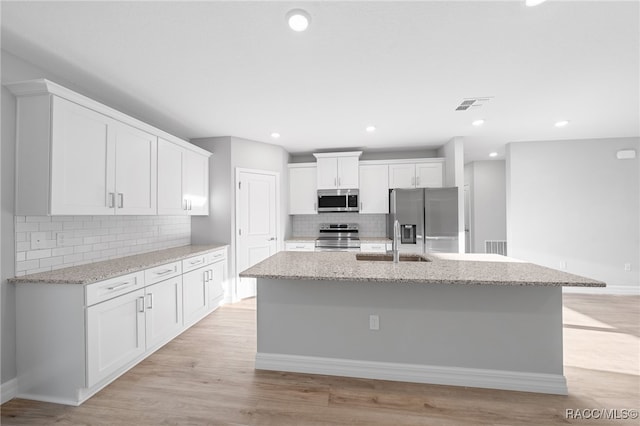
<point>531,3</point>
<point>562,123</point>
<point>478,123</point>
<point>371,129</point>
<point>275,135</point>
<point>493,154</point>
<point>298,19</point>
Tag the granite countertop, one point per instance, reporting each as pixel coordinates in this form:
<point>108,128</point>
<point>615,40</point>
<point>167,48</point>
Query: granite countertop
<point>470,269</point>
<point>98,271</point>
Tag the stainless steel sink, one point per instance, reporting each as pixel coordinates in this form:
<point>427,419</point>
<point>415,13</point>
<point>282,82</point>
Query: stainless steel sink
<point>382,257</point>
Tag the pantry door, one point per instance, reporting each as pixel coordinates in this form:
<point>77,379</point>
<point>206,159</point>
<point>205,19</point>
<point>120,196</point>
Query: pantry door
<point>257,201</point>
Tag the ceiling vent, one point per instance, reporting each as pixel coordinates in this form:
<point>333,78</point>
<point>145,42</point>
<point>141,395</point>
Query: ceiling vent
<point>472,102</point>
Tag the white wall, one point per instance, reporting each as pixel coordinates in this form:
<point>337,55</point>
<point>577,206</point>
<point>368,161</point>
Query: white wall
<point>488,209</point>
<point>453,153</point>
<point>230,153</point>
<point>574,202</point>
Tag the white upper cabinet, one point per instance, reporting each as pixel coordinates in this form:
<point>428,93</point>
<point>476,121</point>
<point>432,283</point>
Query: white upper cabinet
<point>429,175</point>
<point>303,188</point>
<point>423,174</point>
<point>195,178</point>
<point>75,156</point>
<point>99,165</point>
<point>183,180</point>
<point>338,170</point>
<point>374,188</point>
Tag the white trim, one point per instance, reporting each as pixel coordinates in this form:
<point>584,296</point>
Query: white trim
<point>404,161</point>
<point>236,224</point>
<point>8,390</point>
<point>43,86</point>
<point>338,154</point>
<point>414,373</point>
<point>620,290</point>
<point>301,165</point>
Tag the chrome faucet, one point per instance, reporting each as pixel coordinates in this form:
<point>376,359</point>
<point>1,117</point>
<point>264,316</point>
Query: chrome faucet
<point>396,241</point>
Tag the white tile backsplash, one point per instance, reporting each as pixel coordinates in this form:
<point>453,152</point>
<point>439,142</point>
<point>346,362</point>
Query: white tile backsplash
<point>369,225</point>
<point>88,239</point>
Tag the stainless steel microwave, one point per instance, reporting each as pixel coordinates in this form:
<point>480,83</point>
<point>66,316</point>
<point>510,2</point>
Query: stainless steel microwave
<point>338,200</point>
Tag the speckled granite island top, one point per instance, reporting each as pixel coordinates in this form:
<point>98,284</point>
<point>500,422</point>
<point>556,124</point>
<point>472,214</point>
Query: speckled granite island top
<point>98,271</point>
<point>443,269</point>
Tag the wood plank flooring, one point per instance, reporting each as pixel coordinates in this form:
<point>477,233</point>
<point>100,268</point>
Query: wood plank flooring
<point>206,376</point>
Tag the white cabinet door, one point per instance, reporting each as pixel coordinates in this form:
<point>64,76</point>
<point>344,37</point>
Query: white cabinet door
<point>170,158</point>
<point>300,246</point>
<point>115,335</point>
<point>80,160</point>
<point>327,172</point>
<point>402,175</point>
<point>135,170</point>
<point>163,303</point>
<point>196,183</point>
<point>429,175</point>
<point>374,189</point>
<point>303,190</point>
<point>216,283</point>
<point>195,295</point>
<point>348,172</point>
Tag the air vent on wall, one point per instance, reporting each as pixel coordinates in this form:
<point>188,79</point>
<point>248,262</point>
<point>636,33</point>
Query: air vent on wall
<point>473,102</point>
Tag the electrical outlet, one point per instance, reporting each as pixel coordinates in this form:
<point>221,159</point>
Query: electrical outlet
<point>563,264</point>
<point>60,239</point>
<point>38,240</point>
<point>374,322</point>
<point>627,267</point>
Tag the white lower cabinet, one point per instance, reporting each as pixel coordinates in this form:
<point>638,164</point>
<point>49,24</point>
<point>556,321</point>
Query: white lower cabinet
<point>115,335</point>
<point>374,247</point>
<point>163,312</point>
<point>195,295</point>
<point>74,339</point>
<point>300,246</point>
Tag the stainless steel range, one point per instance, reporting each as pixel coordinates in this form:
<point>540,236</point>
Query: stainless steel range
<point>338,237</point>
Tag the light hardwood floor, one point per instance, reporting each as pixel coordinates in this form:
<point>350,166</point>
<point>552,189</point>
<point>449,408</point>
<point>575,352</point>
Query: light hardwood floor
<point>206,376</point>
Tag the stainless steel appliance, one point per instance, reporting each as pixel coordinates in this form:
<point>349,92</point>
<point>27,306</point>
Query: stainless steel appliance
<point>338,200</point>
<point>338,237</point>
<point>428,219</point>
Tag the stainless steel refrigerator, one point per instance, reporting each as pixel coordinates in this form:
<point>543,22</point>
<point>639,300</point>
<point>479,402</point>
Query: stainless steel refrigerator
<point>428,219</point>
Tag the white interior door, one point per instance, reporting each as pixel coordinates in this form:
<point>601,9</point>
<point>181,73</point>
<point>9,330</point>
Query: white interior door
<point>256,223</point>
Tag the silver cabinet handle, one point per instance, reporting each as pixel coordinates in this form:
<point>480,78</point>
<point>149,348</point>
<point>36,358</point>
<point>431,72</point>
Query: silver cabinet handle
<point>195,262</point>
<point>140,302</point>
<point>150,305</point>
<point>272,239</point>
<point>184,204</point>
<point>165,272</point>
<point>112,200</point>
<point>120,285</point>
<point>120,200</point>
<point>210,274</point>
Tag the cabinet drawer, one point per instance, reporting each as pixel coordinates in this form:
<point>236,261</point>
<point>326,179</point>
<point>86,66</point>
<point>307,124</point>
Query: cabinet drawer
<point>194,263</point>
<point>215,256</point>
<point>300,246</point>
<point>108,289</point>
<point>163,272</point>
<point>373,247</point>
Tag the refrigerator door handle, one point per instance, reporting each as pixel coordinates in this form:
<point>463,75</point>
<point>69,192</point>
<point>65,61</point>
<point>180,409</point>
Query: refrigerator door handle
<point>427,237</point>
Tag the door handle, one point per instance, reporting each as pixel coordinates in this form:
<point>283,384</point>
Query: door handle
<point>112,200</point>
<point>120,200</point>
<point>141,304</point>
<point>272,239</point>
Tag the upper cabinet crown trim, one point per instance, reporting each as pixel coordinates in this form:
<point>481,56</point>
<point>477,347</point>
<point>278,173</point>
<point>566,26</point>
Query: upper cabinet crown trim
<point>338,154</point>
<point>43,86</point>
<point>404,161</point>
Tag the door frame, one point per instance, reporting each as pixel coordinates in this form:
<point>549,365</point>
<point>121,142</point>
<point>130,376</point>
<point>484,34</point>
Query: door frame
<point>236,221</point>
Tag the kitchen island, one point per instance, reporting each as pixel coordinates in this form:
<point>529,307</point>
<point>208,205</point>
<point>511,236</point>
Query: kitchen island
<point>467,320</point>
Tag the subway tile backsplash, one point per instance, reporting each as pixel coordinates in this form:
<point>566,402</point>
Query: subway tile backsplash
<point>45,243</point>
<point>370,225</point>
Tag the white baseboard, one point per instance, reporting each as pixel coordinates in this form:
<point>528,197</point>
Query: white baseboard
<point>620,290</point>
<point>471,377</point>
<point>8,390</point>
